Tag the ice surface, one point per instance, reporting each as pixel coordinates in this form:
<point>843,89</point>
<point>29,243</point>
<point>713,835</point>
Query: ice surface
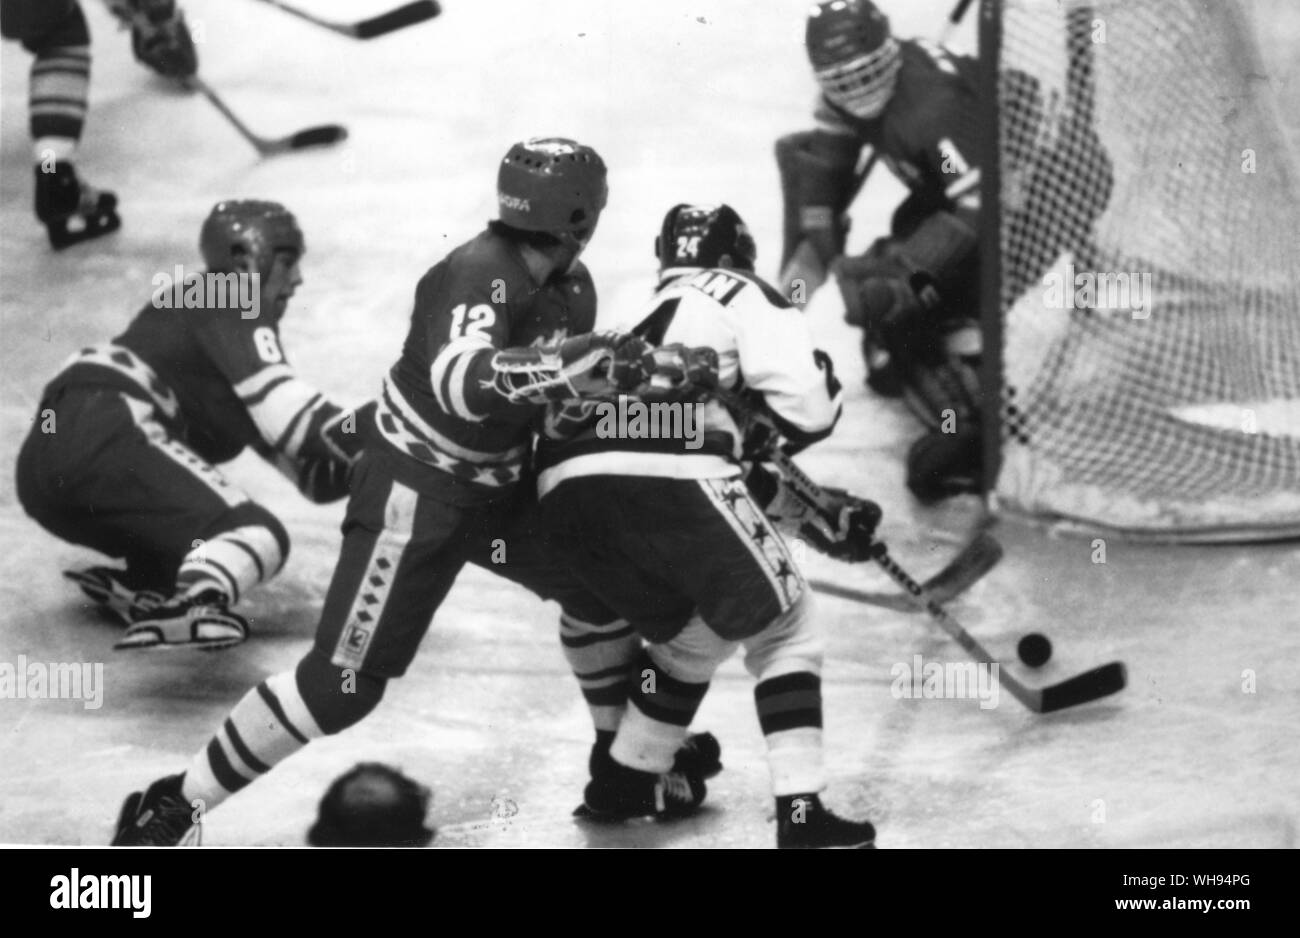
<point>684,101</point>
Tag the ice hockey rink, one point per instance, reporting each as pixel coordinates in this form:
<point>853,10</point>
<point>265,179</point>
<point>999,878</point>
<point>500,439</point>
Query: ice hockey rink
<point>684,99</point>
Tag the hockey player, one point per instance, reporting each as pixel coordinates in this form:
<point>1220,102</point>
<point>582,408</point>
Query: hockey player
<point>915,292</point>
<point>121,455</point>
<point>500,327</point>
<point>55,32</point>
<point>664,531</point>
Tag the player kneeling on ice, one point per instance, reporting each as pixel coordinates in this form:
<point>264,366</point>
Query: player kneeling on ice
<point>666,533</point>
<point>500,328</point>
<point>121,455</point>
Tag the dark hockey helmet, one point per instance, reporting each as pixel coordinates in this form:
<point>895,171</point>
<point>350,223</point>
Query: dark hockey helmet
<point>248,228</point>
<point>703,236</point>
<point>372,805</point>
<point>853,55</point>
<point>552,184</point>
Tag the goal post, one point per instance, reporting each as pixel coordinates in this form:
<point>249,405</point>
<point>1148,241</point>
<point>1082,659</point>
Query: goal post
<point>1140,265</point>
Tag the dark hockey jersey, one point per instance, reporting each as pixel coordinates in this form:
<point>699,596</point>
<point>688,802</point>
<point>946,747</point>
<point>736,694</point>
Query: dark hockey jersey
<point>449,434</point>
<point>218,381</point>
<point>929,134</point>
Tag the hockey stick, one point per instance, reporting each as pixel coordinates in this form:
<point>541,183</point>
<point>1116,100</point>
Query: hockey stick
<point>406,15</point>
<point>322,135</point>
<point>974,560</point>
<point>1082,688</point>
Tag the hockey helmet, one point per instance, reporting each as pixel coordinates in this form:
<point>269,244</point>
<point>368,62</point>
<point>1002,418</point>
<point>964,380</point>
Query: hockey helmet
<point>552,184</point>
<point>248,227</point>
<point>854,56</point>
<point>702,235</point>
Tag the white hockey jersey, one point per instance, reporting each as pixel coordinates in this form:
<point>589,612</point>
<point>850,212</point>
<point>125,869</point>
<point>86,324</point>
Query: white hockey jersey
<point>764,347</point>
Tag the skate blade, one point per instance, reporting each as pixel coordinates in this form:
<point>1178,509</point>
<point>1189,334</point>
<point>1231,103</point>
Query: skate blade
<point>101,221</point>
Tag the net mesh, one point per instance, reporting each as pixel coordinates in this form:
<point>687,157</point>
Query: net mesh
<point>1149,231</point>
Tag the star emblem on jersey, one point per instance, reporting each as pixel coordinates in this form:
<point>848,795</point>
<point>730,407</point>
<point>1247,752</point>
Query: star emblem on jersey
<point>732,494</point>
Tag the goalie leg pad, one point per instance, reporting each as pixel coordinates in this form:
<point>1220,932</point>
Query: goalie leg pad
<point>940,465</point>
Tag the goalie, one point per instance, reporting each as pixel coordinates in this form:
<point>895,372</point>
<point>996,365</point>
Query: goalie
<point>913,292</point>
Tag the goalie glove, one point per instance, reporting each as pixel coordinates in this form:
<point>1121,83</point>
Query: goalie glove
<point>591,366</point>
<point>843,528</point>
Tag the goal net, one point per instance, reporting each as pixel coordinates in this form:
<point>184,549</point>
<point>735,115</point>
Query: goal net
<point>1141,251</point>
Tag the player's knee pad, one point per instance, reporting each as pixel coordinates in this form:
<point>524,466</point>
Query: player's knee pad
<point>337,697</point>
<point>693,655</point>
<point>791,642</point>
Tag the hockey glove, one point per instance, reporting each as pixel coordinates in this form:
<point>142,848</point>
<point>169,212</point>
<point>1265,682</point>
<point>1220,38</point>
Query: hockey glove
<point>592,366</point>
<point>159,37</point>
<point>678,373</point>
<point>843,528</point>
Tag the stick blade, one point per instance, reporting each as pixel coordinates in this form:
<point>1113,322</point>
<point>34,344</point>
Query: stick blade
<point>1088,686</point>
<point>321,136</point>
<point>393,20</point>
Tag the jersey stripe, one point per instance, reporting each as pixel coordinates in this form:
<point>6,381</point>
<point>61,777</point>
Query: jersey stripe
<point>447,375</point>
<point>418,427</point>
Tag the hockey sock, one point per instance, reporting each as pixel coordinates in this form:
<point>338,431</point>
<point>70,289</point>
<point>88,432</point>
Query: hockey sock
<point>270,724</point>
<point>602,658</point>
<point>655,726</point>
<point>232,562</point>
<point>790,715</point>
<point>57,94</point>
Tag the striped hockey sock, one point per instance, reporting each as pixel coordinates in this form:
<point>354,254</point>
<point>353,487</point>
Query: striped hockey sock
<point>270,724</point>
<point>57,93</point>
<point>790,715</point>
<point>232,562</point>
<point>655,726</point>
<point>602,658</point>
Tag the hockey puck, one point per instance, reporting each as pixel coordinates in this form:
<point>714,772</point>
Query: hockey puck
<point>1034,649</point>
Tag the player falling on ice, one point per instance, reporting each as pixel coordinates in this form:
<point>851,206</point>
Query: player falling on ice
<point>667,534</point>
<point>914,292</point>
<point>500,327</point>
<point>55,32</point>
<point>121,455</point>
